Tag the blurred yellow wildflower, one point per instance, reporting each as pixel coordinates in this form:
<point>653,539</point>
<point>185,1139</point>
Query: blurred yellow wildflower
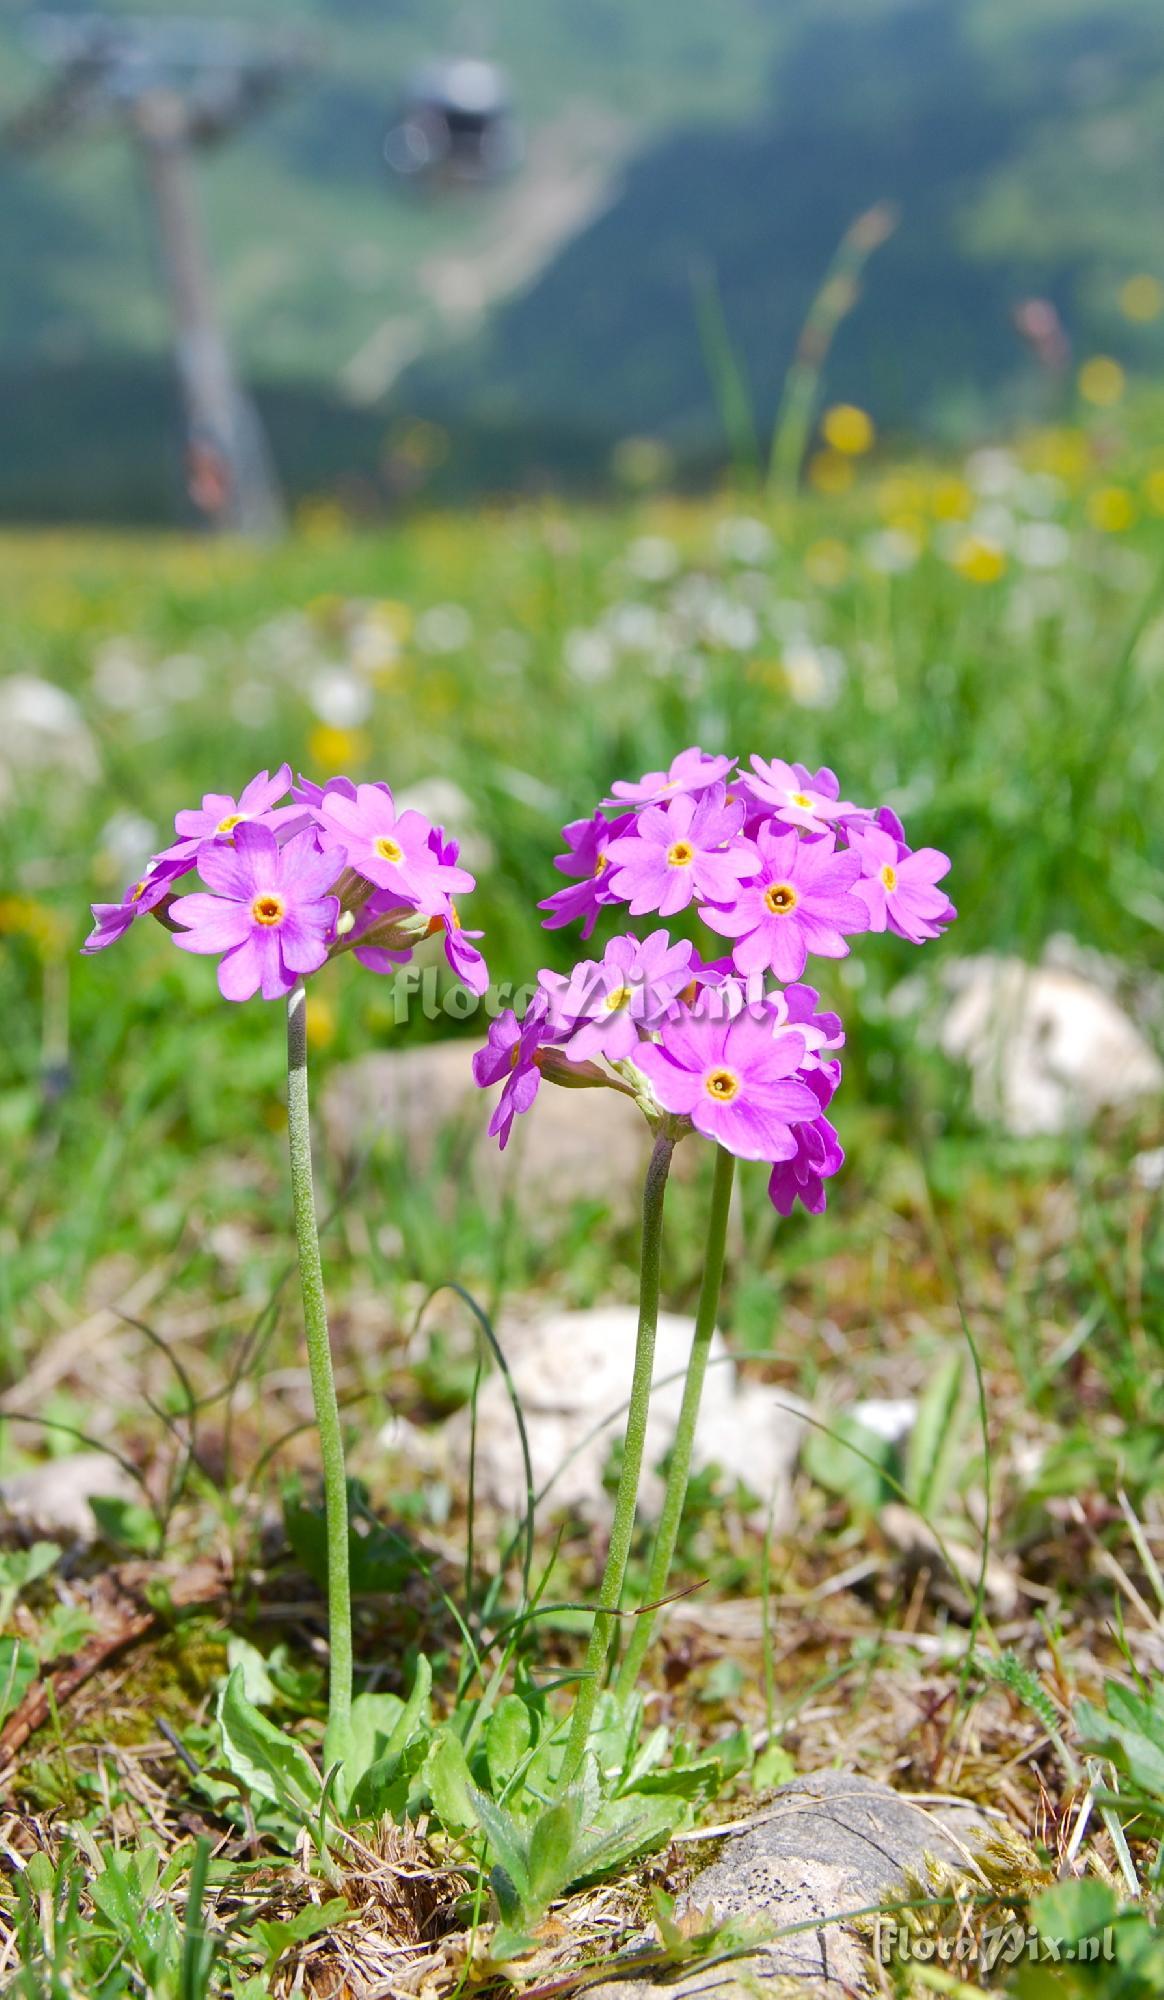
<point>1142,297</point>
<point>1102,381</point>
<point>829,472</point>
<point>1064,453</point>
<point>826,563</point>
<point>321,520</point>
<point>951,499</point>
<point>333,749</point>
<point>321,1022</point>
<point>901,492</point>
<point>393,614</point>
<point>1111,509</point>
<point>22,916</point>
<point>848,430</point>
<point>1154,489</point>
<point>979,560</point>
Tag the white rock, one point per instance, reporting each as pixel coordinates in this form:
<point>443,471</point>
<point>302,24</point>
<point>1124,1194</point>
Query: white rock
<point>1048,1048</point>
<point>572,1373</point>
<point>1148,1168</point>
<point>888,1417</point>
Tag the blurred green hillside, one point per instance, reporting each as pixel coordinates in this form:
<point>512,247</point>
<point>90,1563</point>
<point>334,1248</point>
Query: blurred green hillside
<point>669,150</point>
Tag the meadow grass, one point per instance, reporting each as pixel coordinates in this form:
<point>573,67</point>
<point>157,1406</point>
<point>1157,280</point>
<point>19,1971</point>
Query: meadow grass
<point>981,646</point>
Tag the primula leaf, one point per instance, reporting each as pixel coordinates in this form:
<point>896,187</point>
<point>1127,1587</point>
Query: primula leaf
<point>379,1560</point>
<point>416,1714</point>
<point>507,1739</point>
<point>384,1727</point>
<point>277,1935</point>
<point>374,1718</point>
<point>933,1442</point>
<point>262,1758</point>
<point>445,1773</point>
<point>257,1684</point>
<point>556,1845</point>
<point>848,1459</point>
<point>772,1767</point>
<point>121,1896</point>
<point>647,1758</point>
<point>17,1672</point>
<point>507,1838</point>
<point>126,1524</point>
<point>1126,1729</point>
<point>627,1827</point>
<point>20,1567</point>
<point>508,1942</point>
<point>1074,1910</point>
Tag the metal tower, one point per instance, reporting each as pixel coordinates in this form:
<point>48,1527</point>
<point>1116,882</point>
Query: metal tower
<point>177,87</point>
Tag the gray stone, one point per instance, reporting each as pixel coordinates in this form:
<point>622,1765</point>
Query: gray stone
<point>831,1844</point>
<point>54,1499</point>
<point>573,1145</point>
<point>572,1373</point>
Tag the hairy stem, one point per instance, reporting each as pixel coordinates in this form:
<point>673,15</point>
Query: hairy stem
<point>337,1738</point>
<point>610,1594</point>
<point>671,1517</point>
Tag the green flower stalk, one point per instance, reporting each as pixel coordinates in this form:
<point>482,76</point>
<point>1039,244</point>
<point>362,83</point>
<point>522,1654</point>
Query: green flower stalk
<point>667,1533</point>
<point>626,1499</point>
<point>337,1737</point>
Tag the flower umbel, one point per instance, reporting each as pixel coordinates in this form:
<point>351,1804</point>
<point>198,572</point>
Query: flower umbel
<point>288,883</point>
<point>769,857</point>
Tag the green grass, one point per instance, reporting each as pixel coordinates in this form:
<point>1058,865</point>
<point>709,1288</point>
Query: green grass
<point>1016,722</point>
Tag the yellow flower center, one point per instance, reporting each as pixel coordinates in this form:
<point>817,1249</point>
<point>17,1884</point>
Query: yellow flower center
<point>802,799</point>
<point>680,854</point>
<point>228,824</point>
<point>619,998</point>
<point>138,890</point>
<point>722,1084</point>
<point>780,899</point>
<point>889,876</point>
<point>389,849</point>
<point>454,919</point>
<point>600,866</point>
<point>268,909</point>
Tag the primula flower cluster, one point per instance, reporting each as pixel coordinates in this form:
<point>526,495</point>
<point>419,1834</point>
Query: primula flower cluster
<point>292,875</point>
<point>779,866</point>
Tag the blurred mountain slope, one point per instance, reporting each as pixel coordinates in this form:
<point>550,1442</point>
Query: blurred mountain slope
<point>669,147</point>
<point>1021,146</point>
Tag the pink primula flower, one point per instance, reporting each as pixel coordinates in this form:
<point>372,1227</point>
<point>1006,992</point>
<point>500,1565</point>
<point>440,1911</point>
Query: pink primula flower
<point>604,1004</point>
<point>389,848</point>
<point>219,814</point>
<point>692,771</point>
<point>799,902</point>
<point>796,797</point>
<point>270,913</point>
<point>736,1081</point>
<point>690,848</point>
<point>898,888</point>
